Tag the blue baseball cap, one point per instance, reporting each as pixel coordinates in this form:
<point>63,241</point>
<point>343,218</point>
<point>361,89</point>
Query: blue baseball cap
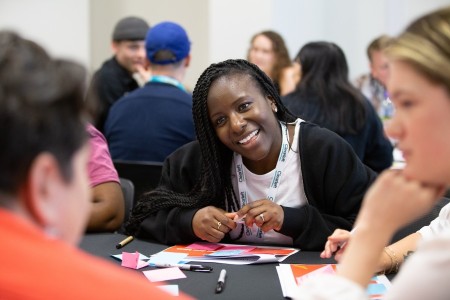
<point>167,36</point>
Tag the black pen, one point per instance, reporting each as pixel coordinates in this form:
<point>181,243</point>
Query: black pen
<point>124,242</point>
<point>186,267</point>
<point>221,281</point>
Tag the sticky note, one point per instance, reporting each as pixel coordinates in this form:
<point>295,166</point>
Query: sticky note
<point>167,258</point>
<point>204,246</point>
<point>170,288</point>
<point>119,256</point>
<point>131,260</point>
<point>164,274</point>
<point>226,253</point>
<point>238,247</point>
<point>376,289</point>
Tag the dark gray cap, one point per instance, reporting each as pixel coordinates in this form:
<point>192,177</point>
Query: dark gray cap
<point>130,28</point>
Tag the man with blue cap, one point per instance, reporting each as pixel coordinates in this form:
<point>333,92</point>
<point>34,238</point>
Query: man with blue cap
<point>150,123</point>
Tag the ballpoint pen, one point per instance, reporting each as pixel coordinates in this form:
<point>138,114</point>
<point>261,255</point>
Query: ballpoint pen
<point>186,267</point>
<point>221,281</point>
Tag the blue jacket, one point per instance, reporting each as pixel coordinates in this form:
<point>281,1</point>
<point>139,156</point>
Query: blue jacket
<point>150,123</point>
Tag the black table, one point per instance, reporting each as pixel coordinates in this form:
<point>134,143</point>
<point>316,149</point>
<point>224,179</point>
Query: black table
<point>242,281</point>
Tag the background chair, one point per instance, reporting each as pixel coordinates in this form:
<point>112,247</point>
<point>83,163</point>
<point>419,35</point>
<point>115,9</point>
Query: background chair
<point>145,175</point>
<point>128,196</point>
<point>419,223</point>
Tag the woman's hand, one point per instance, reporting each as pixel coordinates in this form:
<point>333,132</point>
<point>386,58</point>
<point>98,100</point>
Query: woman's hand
<point>336,244</point>
<point>394,200</point>
<point>264,213</point>
<point>211,224</point>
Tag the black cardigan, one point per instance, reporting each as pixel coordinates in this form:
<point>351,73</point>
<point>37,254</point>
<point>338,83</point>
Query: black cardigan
<point>335,182</point>
<point>370,143</point>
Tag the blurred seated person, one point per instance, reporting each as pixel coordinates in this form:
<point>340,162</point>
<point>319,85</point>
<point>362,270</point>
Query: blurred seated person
<point>326,97</point>
<point>107,198</point>
<point>45,198</point>
<point>150,123</point>
<point>269,52</point>
<point>373,85</point>
<point>419,84</point>
<point>123,72</point>
<point>394,255</point>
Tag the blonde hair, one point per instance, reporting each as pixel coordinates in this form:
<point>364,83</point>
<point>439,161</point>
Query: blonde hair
<point>425,45</point>
<point>378,44</point>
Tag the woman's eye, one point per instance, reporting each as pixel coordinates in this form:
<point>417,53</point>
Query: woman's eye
<point>220,121</point>
<point>243,106</point>
<point>405,104</point>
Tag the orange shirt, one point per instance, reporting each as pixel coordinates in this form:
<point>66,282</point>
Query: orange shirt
<point>33,266</point>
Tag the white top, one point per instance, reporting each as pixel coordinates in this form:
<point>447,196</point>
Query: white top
<point>437,225</point>
<point>291,183</point>
<point>425,275</point>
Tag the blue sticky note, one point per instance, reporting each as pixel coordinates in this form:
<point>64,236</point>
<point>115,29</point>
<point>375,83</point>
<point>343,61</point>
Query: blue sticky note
<point>376,289</point>
<point>226,253</point>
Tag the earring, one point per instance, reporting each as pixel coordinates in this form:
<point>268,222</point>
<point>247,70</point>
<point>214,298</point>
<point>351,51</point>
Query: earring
<point>275,108</point>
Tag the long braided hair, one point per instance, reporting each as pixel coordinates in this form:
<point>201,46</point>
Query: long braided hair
<point>214,187</point>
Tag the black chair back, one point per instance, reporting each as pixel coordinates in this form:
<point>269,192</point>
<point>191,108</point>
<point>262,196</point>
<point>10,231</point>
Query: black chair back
<point>145,175</point>
<point>128,196</point>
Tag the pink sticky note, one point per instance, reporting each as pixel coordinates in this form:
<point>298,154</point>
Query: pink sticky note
<point>164,274</point>
<point>204,246</point>
<point>130,260</point>
<point>328,269</point>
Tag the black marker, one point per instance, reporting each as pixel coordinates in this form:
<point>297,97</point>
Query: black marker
<point>221,282</point>
<point>186,267</point>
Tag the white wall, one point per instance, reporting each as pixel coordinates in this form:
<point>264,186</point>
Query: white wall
<point>352,24</point>
<point>233,23</point>
<point>61,26</point>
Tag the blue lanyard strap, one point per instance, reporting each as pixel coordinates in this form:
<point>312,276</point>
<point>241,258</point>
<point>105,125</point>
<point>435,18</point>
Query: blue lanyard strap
<point>168,80</point>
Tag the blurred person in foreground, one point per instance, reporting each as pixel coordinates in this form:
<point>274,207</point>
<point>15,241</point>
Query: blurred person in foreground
<point>44,187</point>
<point>419,85</point>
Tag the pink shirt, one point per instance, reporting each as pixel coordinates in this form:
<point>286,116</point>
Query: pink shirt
<point>100,165</point>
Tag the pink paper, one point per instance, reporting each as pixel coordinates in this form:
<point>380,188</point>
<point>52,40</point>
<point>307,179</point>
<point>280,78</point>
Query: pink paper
<point>204,246</point>
<point>130,260</point>
<point>164,274</point>
<point>328,269</point>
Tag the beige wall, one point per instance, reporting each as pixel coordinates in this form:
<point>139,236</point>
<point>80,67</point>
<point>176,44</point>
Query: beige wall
<point>192,15</point>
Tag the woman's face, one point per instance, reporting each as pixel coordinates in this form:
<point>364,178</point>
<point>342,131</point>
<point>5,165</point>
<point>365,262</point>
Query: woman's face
<point>261,54</point>
<point>421,124</point>
<point>244,120</point>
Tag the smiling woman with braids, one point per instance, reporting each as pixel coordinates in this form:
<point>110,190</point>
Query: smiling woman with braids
<point>290,182</point>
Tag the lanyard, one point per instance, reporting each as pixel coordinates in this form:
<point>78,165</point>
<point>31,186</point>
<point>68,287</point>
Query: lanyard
<point>168,80</point>
<point>274,183</point>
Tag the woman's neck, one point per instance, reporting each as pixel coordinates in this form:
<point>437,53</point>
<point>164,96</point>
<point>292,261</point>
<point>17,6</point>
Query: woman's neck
<point>270,162</point>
